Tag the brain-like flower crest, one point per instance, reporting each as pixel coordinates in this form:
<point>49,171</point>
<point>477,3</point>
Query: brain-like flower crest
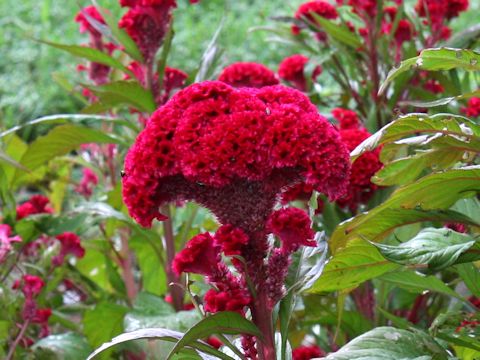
<point>233,151</point>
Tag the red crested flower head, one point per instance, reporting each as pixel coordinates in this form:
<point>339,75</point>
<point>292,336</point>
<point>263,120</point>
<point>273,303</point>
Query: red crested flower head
<point>292,69</point>
<point>37,204</point>
<point>200,256</point>
<point>364,7</point>
<point>69,244</point>
<point>42,316</point>
<point>404,31</point>
<point>293,226</point>
<point>88,182</point>
<point>233,300</point>
<point>147,25</point>
<point>318,7</point>
<point>347,119</point>
<point>440,10</point>
<point>86,17</point>
<point>433,86</point>
<point>6,240</point>
<point>31,285</point>
<point>233,151</point>
<point>473,107</point>
<point>231,239</point>
<point>248,74</point>
<point>307,352</point>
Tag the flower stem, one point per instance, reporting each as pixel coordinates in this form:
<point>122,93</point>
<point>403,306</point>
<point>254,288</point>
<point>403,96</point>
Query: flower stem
<point>262,317</point>
<point>17,340</point>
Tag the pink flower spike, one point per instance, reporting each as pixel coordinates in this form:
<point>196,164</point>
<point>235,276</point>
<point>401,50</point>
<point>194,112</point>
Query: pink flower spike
<point>6,240</point>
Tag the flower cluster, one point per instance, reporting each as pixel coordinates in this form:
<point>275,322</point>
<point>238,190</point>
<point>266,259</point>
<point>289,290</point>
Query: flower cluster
<point>37,204</point>
<point>234,150</point>
<point>307,352</point>
<point>361,188</point>
<point>69,244</point>
<point>6,241</point>
<point>147,22</point>
<point>88,182</point>
<point>248,74</point>
<point>292,70</point>
<point>305,14</point>
<point>473,107</point>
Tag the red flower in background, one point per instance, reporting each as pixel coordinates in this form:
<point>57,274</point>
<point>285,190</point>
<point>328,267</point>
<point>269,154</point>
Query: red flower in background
<point>473,107</point>
<point>87,18</point>
<point>200,256</point>
<point>347,119</point>
<point>6,240</point>
<point>307,352</point>
<point>433,86</point>
<point>292,69</point>
<point>318,7</point>
<point>69,244</point>
<point>88,182</point>
<point>235,300</point>
<point>31,285</point>
<point>248,74</point>
<point>440,11</point>
<point>37,204</point>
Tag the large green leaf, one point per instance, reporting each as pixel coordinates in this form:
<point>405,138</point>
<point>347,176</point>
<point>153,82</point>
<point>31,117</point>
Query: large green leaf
<point>417,283</point>
<point>388,343</point>
<point>103,322</point>
<point>60,141</point>
<point>338,32</point>
<point>470,275</point>
<point>434,60</point>
<point>125,92</point>
<point>437,248</point>
<point>424,200</point>
<point>226,322</point>
<point>350,266</point>
<point>69,346</point>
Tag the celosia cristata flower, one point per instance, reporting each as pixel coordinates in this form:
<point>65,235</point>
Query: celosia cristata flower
<point>69,244</point>
<point>31,285</point>
<point>87,17</point>
<point>248,74</point>
<point>347,119</point>
<point>234,151</point>
<point>37,204</point>
<point>440,11</point>
<point>473,107</point>
<point>147,22</point>
<point>41,317</point>
<point>318,7</point>
<point>307,352</point>
<point>6,240</point>
<point>292,69</point>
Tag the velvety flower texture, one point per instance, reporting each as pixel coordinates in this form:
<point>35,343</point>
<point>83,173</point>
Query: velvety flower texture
<point>6,240</point>
<point>473,107</point>
<point>292,69</point>
<point>307,352</point>
<point>69,244</point>
<point>37,204</point>
<point>86,17</point>
<point>147,22</point>
<point>318,7</point>
<point>232,150</point>
<point>248,74</point>
<point>200,256</point>
<point>440,11</point>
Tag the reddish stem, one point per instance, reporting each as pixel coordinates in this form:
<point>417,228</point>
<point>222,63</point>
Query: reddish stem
<point>17,340</point>
<point>127,273</point>
<point>262,317</point>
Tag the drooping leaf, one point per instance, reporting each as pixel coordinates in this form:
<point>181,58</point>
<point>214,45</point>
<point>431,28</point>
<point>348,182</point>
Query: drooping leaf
<point>417,283</point>
<point>350,266</point>
<point>68,346</point>
<point>437,248</point>
<point>338,32</point>
<point>226,322</point>
<point>388,343</point>
<point>434,60</point>
<point>423,200</point>
<point>125,92</point>
<point>470,275</point>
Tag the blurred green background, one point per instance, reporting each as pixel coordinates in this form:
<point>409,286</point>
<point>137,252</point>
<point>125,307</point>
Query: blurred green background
<point>27,89</point>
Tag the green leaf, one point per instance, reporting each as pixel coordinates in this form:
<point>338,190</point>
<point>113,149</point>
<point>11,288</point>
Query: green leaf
<point>447,326</point>
<point>422,130</point>
<point>437,248</point>
<point>125,92</point>
<point>434,60</point>
<point>440,102</point>
<point>417,283</point>
<point>350,266</point>
<point>226,322</point>
<point>338,32</point>
<point>423,200</point>
<point>90,54</point>
<point>388,343</point>
<point>470,275</point>
<point>69,346</point>
<point>60,141</point>
<point>103,322</point>
<point>8,160</point>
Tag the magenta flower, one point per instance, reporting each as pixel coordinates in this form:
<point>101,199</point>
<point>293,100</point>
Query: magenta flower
<point>6,240</point>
